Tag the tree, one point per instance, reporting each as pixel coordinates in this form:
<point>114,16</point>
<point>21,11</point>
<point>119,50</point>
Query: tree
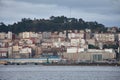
<point>92,47</point>
<point>58,23</point>
<point>108,46</point>
<point>3,27</point>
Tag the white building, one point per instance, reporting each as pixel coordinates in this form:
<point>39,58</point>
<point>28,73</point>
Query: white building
<point>75,41</point>
<point>74,35</point>
<point>46,35</point>
<point>9,35</point>
<point>105,37</point>
<point>88,30</point>
<point>61,34</point>
<point>25,50</point>
<point>119,37</point>
<point>74,50</point>
<point>33,35</point>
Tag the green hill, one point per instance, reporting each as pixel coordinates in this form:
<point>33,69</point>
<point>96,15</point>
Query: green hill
<point>58,23</point>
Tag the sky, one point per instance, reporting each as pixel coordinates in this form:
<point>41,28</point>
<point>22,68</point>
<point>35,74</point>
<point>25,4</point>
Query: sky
<point>106,12</point>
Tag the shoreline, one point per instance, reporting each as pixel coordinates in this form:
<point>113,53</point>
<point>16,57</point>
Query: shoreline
<point>72,64</point>
<point>84,64</point>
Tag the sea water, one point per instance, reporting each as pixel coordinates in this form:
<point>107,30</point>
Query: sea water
<point>39,72</point>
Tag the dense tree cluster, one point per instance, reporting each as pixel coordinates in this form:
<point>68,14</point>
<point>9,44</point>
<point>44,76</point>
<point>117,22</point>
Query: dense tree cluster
<point>92,46</point>
<point>58,23</point>
<point>109,46</point>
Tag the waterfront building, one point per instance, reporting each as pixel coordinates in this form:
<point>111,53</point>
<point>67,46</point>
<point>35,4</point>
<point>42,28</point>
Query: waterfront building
<point>3,52</point>
<point>91,55</point>
<point>71,45</point>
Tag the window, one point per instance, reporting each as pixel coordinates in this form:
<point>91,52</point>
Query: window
<point>97,57</point>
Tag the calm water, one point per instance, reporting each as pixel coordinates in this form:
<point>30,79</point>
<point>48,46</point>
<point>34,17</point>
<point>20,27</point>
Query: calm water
<point>38,72</point>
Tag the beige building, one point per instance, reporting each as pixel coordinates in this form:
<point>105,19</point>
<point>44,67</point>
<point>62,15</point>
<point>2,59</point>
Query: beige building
<point>91,41</point>
<point>47,44</point>
<point>26,35</point>
<point>2,35</point>
<point>25,50</point>
<point>105,37</point>
<point>91,55</point>
<point>75,41</point>
<point>3,52</point>
<point>16,48</point>
<point>76,35</point>
<point>21,52</point>
<point>38,50</point>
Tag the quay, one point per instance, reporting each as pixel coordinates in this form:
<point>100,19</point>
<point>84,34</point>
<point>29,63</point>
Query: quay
<point>53,62</point>
<point>29,60</point>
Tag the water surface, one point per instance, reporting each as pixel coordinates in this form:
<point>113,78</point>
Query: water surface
<point>38,72</point>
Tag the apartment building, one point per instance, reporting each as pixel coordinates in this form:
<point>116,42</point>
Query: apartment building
<point>104,37</point>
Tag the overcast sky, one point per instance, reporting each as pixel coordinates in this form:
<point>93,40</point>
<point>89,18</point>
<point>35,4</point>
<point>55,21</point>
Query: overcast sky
<point>106,12</point>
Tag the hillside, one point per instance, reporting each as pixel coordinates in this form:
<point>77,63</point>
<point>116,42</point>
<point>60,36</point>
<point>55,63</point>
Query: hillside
<point>58,23</point>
